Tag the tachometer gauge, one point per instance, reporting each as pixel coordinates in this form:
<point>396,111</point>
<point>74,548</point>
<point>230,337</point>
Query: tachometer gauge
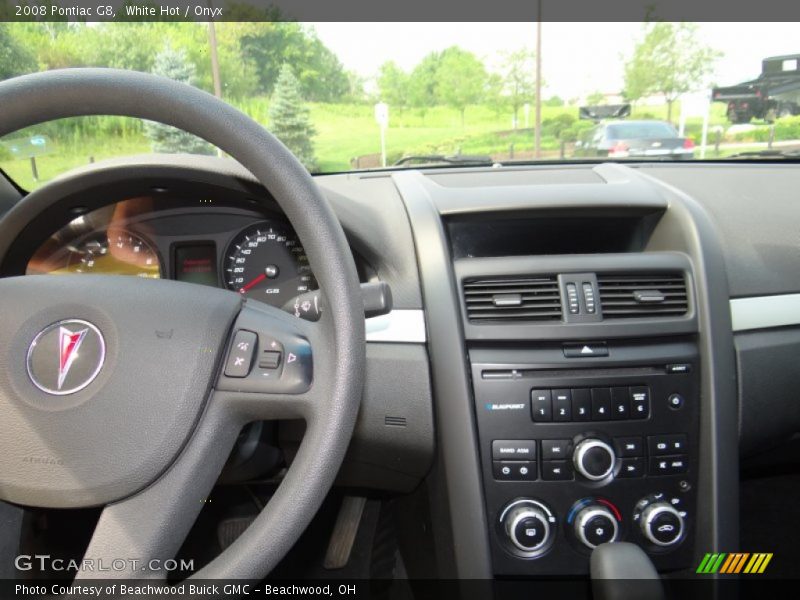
<point>266,262</point>
<point>116,252</point>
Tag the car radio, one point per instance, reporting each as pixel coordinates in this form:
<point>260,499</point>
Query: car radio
<point>577,452</point>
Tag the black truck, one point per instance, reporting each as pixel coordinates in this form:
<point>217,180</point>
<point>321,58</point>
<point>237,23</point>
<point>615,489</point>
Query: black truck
<point>775,93</point>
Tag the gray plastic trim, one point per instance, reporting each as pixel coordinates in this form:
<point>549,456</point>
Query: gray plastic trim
<point>764,312</point>
<point>401,326</point>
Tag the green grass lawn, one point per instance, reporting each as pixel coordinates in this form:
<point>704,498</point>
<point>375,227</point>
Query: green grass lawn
<point>345,131</point>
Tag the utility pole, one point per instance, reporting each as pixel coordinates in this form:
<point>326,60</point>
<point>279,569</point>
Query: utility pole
<point>537,134</point>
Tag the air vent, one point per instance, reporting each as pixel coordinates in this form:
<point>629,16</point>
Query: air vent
<point>513,299</point>
<point>632,296</point>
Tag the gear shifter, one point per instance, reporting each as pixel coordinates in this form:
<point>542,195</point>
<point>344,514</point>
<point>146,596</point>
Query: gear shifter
<point>622,571</point>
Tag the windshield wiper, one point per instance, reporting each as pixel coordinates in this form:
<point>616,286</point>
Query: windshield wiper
<point>792,153</point>
<point>438,159</point>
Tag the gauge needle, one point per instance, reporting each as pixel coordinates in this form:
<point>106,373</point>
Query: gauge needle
<point>255,282</point>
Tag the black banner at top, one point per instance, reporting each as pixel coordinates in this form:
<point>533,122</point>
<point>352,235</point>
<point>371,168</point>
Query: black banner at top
<point>401,10</point>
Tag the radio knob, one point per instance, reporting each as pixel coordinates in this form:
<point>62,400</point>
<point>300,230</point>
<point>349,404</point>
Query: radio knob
<point>594,459</point>
<point>594,525</point>
<point>662,524</point>
<point>527,527</point>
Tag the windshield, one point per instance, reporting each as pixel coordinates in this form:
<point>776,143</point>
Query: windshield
<point>346,96</point>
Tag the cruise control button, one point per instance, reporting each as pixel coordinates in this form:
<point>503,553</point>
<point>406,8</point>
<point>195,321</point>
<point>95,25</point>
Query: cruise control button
<point>541,405</point>
<point>240,357</point>
<point>556,449</point>
<point>556,470</point>
<point>514,450</point>
<point>514,470</point>
<point>631,467</point>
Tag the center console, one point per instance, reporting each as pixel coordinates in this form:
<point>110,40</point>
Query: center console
<point>587,413</point>
<point>584,383</point>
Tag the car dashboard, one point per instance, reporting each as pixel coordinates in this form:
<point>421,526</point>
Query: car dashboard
<point>576,353</point>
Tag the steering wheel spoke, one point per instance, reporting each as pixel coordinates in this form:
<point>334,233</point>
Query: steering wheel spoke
<point>135,536</point>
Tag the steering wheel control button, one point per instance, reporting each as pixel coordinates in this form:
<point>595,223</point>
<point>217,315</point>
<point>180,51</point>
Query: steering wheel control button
<point>594,525</point>
<point>640,402</point>
<point>514,470</point>
<point>514,450</point>
<point>240,358</point>
<point>541,406</point>
<point>528,526</point>
<point>269,359</point>
<point>66,356</point>
<point>557,470</point>
<point>662,524</point>
<point>675,401</point>
<point>594,459</point>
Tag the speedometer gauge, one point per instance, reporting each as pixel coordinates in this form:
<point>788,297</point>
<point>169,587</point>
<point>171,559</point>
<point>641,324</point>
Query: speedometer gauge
<point>266,262</point>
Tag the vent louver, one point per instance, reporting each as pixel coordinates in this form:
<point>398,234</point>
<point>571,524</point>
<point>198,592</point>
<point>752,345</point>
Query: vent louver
<point>636,296</point>
<point>513,299</point>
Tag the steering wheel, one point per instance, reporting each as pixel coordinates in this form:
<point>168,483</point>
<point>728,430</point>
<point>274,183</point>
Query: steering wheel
<point>129,394</point>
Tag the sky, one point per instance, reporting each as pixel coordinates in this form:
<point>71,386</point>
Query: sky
<point>577,58</point>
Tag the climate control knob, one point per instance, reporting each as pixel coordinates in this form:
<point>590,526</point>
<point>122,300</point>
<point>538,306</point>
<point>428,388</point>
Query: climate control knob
<point>595,524</point>
<point>662,524</point>
<point>528,526</point>
<point>594,459</point>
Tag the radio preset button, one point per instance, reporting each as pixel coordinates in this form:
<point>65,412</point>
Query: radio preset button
<point>541,405</point>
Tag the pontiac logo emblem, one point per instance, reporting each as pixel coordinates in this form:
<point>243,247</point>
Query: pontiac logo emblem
<point>66,357</point>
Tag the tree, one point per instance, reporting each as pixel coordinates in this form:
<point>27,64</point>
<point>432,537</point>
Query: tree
<point>423,84</point>
<point>461,79</point>
<point>669,60</point>
<point>393,84</point>
<point>15,59</point>
<point>269,45</point>
<point>595,98</point>
<point>174,64</point>
<point>518,80</point>
<point>289,120</point>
